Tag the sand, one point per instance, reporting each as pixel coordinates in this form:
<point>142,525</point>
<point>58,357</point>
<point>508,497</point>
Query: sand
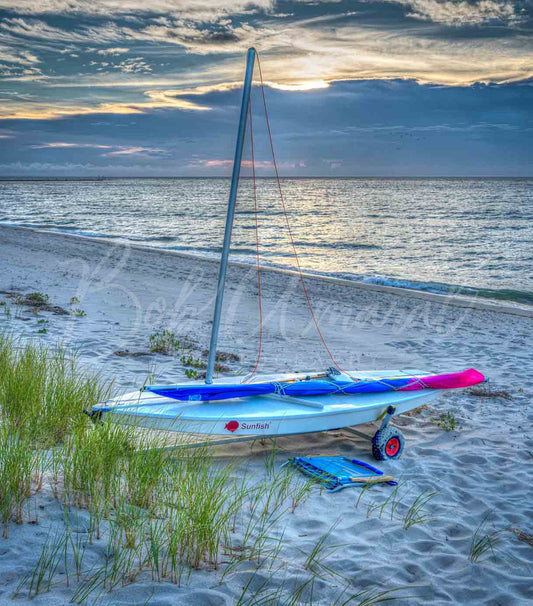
<point>483,470</point>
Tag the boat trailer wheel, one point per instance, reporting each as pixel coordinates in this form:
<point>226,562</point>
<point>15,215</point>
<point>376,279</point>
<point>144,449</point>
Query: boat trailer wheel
<point>387,443</point>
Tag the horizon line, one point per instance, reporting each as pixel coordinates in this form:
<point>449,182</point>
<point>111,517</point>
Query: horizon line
<point>111,177</point>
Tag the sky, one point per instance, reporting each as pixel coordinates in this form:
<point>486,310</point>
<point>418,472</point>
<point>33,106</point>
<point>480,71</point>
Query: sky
<point>354,88</point>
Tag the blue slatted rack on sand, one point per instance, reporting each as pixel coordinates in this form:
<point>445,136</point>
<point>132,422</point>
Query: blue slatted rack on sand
<point>336,473</point>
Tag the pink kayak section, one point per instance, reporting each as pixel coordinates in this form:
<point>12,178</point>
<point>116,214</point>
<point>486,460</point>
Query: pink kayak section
<point>453,380</point>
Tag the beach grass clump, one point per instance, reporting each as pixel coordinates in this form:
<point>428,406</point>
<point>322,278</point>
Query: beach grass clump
<point>279,588</point>
<point>40,579</point>
<point>316,561</point>
<point>7,309</point>
<point>18,463</point>
<point>388,506</point>
<point>169,513</point>
<point>483,542</point>
<point>446,421</point>
<point>78,313</point>
<point>38,298</point>
<point>372,597</point>
<point>164,342</point>
<point>192,365</point>
<point>192,362</point>
<point>417,512</point>
<point>44,391</point>
<point>276,585</point>
<point>203,500</point>
<point>266,504</point>
<point>400,505</point>
<point>145,470</point>
<point>93,461</point>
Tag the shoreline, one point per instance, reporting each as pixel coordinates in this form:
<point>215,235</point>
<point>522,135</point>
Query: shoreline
<point>444,299</point>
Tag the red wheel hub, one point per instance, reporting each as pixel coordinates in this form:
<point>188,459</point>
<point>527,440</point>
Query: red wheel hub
<point>392,447</point>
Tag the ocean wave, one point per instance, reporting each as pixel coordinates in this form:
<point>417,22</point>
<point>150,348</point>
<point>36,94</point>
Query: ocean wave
<point>522,297</point>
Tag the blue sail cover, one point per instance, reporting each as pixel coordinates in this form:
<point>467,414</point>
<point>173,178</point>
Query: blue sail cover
<point>316,387</point>
<point>294,389</point>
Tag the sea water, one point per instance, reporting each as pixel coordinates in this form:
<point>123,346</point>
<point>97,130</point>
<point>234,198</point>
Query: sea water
<point>472,237</point>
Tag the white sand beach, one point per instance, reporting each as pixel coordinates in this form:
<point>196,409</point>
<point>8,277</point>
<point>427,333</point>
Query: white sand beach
<point>481,473</point>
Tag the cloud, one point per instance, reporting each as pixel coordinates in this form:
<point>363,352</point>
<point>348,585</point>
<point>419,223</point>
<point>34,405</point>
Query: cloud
<point>129,151</point>
<point>299,57</point>
<point>207,10</point>
<point>118,150</point>
<point>19,57</point>
<point>301,86</point>
<point>361,53</point>
<point>61,144</point>
<point>9,74</point>
<point>41,30</point>
<point>18,64</point>
<point>53,111</point>
<point>305,54</point>
<point>133,65</point>
<point>196,36</point>
<point>459,13</point>
<point>304,50</point>
<point>158,99</point>
<point>116,50</point>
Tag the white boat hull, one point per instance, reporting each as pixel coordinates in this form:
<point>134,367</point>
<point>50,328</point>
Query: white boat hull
<point>270,415</point>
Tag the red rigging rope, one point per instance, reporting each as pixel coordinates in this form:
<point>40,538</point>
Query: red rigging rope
<point>256,249</point>
<point>302,280</point>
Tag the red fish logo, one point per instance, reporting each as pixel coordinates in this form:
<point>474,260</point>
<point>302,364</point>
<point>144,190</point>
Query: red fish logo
<point>232,425</point>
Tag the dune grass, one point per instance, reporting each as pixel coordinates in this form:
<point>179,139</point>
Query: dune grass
<point>38,298</point>
<point>165,342</point>
<point>484,541</point>
<point>18,463</point>
<point>43,391</point>
<point>401,504</point>
<point>42,396</point>
<point>40,579</point>
<point>446,421</point>
<point>144,511</point>
<point>416,512</point>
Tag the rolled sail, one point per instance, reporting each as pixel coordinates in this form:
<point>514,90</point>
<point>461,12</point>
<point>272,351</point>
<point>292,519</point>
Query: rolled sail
<point>316,387</point>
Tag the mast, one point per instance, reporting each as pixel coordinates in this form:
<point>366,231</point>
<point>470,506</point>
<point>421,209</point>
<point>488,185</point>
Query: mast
<point>250,60</point>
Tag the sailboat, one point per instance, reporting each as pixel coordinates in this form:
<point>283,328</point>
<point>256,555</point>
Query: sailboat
<point>281,404</point>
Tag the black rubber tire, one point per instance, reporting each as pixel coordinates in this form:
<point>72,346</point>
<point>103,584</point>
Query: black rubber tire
<point>380,440</point>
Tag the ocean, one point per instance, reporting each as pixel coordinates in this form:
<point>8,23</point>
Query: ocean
<point>469,237</point>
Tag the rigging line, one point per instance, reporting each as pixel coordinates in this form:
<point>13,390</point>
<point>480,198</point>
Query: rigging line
<point>252,151</point>
<point>302,280</point>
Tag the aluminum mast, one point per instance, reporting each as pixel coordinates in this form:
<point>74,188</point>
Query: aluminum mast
<point>250,60</point>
